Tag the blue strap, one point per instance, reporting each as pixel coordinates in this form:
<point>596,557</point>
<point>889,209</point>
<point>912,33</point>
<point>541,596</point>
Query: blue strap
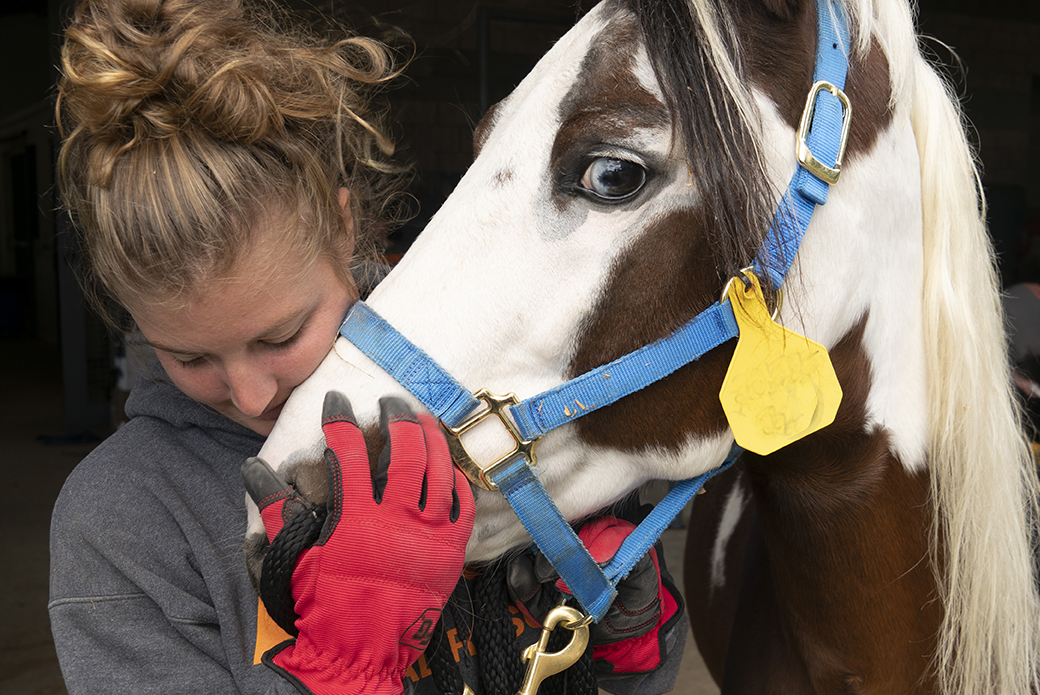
<point>806,191</point>
<point>554,536</point>
<point>411,367</point>
<point>604,385</point>
<point>594,587</point>
<point>651,528</point>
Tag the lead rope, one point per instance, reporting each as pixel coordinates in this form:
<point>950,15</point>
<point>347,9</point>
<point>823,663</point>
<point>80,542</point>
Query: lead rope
<point>494,633</point>
<point>494,636</point>
<point>440,659</point>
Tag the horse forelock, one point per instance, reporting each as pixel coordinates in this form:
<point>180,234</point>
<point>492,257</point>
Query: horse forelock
<point>696,56</point>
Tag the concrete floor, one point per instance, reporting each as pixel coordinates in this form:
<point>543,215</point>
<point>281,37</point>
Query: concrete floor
<point>37,457</point>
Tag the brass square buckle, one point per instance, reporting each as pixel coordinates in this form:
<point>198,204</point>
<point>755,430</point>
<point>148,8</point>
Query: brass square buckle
<point>805,155</point>
<point>480,475</point>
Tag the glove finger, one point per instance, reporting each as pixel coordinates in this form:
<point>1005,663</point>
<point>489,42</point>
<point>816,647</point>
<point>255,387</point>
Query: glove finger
<point>637,608</point>
<point>404,450</point>
<point>345,455</point>
<point>442,499</point>
<point>543,569</point>
<point>464,506</point>
<point>645,569</point>
<point>531,596</point>
<point>275,498</point>
<point>547,574</point>
<point>520,580</point>
<point>603,536</point>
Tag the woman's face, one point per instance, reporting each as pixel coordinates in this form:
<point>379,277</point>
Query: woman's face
<point>247,340</point>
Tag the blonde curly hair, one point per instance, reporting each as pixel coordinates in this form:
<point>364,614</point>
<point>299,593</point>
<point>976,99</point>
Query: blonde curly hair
<point>185,123</point>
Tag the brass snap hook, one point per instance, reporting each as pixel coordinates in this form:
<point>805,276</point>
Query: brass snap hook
<point>542,664</point>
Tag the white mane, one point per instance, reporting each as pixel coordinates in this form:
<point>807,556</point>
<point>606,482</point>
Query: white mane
<point>983,477</point>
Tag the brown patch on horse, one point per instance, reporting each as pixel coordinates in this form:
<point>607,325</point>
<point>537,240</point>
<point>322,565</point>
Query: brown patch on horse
<point>848,530</point>
<point>869,90</point>
<point>845,533</point>
<point>667,277</point>
<point>607,102</point>
<point>711,607</point>
<point>779,45</point>
<point>738,623</point>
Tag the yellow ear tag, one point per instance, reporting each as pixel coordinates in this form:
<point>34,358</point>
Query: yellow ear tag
<point>780,386</point>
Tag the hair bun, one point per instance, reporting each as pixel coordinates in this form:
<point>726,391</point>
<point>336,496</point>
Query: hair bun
<point>138,69</point>
<point>184,122</point>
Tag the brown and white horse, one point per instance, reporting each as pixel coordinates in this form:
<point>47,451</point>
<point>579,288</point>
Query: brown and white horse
<point>614,194</point>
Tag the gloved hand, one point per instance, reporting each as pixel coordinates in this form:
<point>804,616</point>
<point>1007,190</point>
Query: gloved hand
<point>370,590</point>
<point>635,611</point>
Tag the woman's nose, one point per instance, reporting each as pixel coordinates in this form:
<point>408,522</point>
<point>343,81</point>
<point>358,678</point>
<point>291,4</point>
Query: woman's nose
<point>252,390</point>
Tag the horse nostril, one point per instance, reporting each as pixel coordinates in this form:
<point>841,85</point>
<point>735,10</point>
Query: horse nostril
<point>311,479</point>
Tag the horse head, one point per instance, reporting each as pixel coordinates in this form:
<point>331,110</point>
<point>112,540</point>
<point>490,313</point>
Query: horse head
<point>614,194</point>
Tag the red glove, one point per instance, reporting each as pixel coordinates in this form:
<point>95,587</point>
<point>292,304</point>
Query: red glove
<point>628,635</point>
<point>371,589</point>
<point>629,632</point>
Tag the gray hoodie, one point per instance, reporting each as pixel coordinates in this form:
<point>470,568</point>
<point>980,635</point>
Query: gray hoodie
<point>149,592</point>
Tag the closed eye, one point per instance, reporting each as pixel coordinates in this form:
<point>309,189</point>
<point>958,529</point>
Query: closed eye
<point>201,360</point>
<point>285,343</point>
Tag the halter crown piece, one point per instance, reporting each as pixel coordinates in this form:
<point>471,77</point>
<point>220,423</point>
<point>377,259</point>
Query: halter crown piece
<point>820,147</point>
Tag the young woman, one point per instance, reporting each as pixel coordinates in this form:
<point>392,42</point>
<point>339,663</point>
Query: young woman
<point>224,171</point>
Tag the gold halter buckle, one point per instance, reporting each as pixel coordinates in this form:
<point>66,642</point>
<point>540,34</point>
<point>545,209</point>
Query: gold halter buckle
<point>805,156</point>
<point>480,475</point>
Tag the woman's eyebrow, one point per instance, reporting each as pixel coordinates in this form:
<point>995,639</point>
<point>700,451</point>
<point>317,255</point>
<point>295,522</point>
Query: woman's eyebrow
<point>165,348</point>
<point>278,327</point>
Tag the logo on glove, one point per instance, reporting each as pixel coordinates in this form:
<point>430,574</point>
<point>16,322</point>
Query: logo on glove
<point>418,634</point>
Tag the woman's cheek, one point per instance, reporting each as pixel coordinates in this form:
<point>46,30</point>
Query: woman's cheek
<point>202,384</point>
<point>311,355</point>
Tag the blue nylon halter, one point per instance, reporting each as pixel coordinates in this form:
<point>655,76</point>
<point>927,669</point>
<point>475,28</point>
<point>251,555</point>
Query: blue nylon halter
<point>593,586</point>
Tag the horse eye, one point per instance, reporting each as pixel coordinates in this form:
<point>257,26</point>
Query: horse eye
<point>613,179</point>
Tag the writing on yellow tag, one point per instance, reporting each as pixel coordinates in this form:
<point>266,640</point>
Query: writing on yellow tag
<point>780,385</point>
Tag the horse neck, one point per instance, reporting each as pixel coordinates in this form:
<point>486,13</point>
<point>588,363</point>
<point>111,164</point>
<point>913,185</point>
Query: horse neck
<point>846,530</point>
<point>845,513</point>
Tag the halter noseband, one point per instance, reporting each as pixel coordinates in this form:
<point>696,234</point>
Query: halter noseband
<point>822,136</point>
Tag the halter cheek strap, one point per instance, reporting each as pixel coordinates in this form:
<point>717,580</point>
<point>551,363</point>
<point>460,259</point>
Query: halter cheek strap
<point>821,143</point>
